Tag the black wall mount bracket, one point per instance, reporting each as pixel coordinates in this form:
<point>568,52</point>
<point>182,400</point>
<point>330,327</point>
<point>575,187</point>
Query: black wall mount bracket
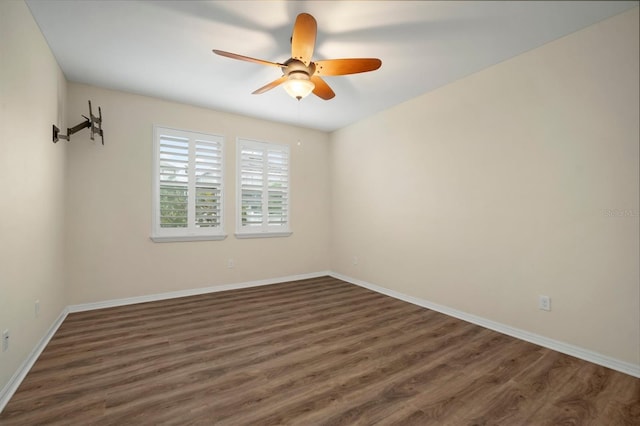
<point>92,122</point>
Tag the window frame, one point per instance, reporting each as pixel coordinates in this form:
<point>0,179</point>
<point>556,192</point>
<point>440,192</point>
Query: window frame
<point>265,230</point>
<point>191,232</point>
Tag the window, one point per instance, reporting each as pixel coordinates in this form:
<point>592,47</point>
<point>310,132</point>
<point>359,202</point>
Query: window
<point>263,189</point>
<point>188,186</point>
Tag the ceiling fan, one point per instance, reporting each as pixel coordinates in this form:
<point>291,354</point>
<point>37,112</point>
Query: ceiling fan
<point>301,75</point>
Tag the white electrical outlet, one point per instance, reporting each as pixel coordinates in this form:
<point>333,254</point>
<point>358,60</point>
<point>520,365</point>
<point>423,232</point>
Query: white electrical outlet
<point>37,308</point>
<point>544,303</point>
<point>5,340</point>
<point>230,263</point>
<point>355,260</point>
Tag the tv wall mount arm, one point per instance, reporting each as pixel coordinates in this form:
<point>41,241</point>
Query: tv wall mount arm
<point>92,122</point>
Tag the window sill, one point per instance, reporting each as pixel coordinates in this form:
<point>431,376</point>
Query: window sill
<point>184,238</point>
<point>244,235</point>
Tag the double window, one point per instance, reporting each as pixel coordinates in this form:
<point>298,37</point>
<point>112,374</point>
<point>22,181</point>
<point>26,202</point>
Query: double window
<point>262,189</point>
<point>188,186</point>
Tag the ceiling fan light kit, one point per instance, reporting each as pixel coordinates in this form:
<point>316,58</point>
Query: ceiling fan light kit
<point>300,75</point>
<point>298,86</point>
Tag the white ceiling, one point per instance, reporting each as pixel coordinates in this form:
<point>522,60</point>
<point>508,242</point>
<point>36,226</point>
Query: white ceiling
<point>163,48</point>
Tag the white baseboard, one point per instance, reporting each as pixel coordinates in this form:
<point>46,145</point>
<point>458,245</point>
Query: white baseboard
<point>12,386</point>
<point>191,292</point>
<point>556,345</point>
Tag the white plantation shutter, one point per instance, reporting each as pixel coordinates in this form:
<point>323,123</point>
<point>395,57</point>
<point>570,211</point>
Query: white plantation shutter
<point>263,189</point>
<point>174,181</point>
<point>188,185</point>
<point>251,187</point>
<point>277,186</point>
<point>208,183</point>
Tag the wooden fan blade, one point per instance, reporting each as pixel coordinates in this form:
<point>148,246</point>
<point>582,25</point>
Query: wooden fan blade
<point>303,39</point>
<point>246,58</point>
<point>347,66</point>
<point>270,85</point>
<point>322,89</point>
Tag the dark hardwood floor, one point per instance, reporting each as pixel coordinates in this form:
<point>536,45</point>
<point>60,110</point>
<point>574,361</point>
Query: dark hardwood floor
<point>317,351</point>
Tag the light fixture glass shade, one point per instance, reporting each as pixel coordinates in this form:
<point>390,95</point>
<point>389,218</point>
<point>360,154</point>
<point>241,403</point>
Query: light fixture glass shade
<point>298,87</point>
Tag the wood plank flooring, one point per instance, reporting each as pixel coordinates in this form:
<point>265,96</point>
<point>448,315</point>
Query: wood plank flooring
<point>311,352</point>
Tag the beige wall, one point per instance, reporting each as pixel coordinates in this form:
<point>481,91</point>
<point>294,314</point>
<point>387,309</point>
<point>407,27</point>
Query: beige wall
<point>109,254</point>
<point>497,188</point>
<point>32,168</point>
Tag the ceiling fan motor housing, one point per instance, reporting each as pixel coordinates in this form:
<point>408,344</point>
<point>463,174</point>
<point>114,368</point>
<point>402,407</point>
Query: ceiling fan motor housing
<point>297,70</point>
